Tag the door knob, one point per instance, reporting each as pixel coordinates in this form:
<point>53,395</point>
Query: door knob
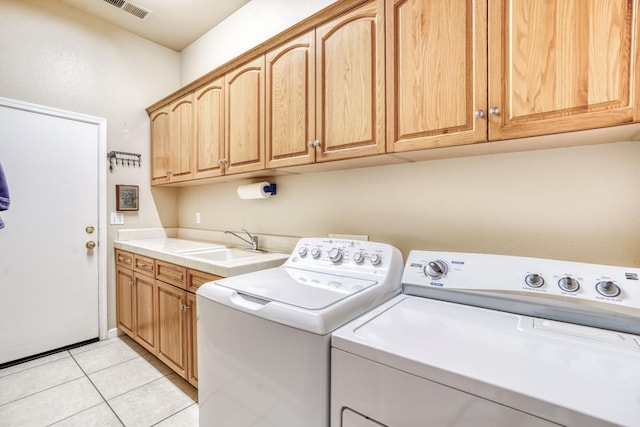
<point>89,229</point>
<point>90,244</point>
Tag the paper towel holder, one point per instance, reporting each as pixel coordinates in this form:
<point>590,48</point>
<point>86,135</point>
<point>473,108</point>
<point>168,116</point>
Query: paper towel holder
<point>258,190</point>
<point>271,189</point>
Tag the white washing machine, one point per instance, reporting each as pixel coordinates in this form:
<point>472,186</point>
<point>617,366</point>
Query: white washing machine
<point>264,337</point>
<point>487,340</point>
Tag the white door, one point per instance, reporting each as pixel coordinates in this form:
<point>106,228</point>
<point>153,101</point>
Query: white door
<point>48,278</point>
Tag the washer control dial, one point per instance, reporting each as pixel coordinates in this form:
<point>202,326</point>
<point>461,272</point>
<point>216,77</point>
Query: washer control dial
<point>335,255</point>
<point>436,269</point>
<point>375,259</point>
<point>316,252</point>
<point>358,257</point>
<point>607,288</point>
<point>569,284</point>
<point>302,251</point>
<point>534,280</point>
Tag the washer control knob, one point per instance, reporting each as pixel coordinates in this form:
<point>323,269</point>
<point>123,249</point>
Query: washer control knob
<point>335,255</point>
<point>375,259</point>
<point>316,252</point>
<point>436,269</point>
<point>358,257</point>
<point>569,284</point>
<point>534,280</point>
<point>302,251</point>
<point>607,288</point>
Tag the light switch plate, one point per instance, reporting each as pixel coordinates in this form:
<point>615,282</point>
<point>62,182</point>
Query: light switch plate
<point>117,218</point>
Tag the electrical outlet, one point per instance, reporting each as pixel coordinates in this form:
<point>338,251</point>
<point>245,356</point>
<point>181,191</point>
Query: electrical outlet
<point>117,218</point>
<point>197,217</point>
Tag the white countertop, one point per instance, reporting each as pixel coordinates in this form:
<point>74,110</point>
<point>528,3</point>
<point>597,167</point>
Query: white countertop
<point>176,251</point>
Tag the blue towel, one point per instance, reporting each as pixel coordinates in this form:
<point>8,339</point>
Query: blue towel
<point>4,194</point>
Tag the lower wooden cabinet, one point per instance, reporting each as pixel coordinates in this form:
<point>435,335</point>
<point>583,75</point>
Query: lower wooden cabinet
<point>172,326</point>
<point>144,300</point>
<point>124,300</point>
<point>161,316</point>
<point>192,340</point>
<point>135,306</point>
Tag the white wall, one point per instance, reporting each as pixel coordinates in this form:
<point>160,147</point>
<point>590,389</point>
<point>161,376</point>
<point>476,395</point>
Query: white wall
<point>57,56</point>
<point>580,204</point>
<point>254,23</point>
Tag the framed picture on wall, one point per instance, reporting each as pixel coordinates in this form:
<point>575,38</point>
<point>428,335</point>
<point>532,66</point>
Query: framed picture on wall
<point>126,197</point>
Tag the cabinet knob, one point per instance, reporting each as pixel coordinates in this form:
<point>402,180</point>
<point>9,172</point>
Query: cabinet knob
<point>310,143</point>
<point>90,244</point>
<point>479,114</point>
<point>167,172</point>
<point>222,161</point>
<point>316,143</point>
<point>494,111</point>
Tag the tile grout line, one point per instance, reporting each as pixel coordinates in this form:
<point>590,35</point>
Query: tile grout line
<point>35,366</point>
<point>175,413</point>
<point>98,391</point>
<point>44,389</point>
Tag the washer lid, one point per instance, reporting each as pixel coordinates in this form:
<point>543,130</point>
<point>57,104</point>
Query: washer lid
<point>305,289</point>
<point>522,362</point>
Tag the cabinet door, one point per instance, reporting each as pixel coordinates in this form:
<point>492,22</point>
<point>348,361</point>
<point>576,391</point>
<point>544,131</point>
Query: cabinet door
<point>437,73</point>
<point>350,84</point>
<point>144,294</point>
<point>192,341</point>
<point>172,328</point>
<point>561,65</point>
<point>209,129</point>
<point>290,118</point>
<point>160,148</point>
<point>244,118</point>
<point>124,300</point>
<point>181,115</point>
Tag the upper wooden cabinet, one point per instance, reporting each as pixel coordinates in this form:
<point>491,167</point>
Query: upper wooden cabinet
<point>553,66</point>
<point>209,129</point>
<point>244,118</point>
<point>171,142</point>
<point>437,73</point>
<point>350,82</point>
<point>160,148</point>
<point>290,103</point>
<point>562,65</point>
<point>368,77</point>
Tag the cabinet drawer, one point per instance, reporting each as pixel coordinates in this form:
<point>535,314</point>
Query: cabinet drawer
<point>143,265</point>
<point>124,259</point>
<point>196,278</point>
<point>171,273</point>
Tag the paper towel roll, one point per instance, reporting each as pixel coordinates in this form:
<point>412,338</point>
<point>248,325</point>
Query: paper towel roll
<point>254,191</point>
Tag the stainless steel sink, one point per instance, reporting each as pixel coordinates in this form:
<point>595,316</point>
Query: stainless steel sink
<point>223,255</point>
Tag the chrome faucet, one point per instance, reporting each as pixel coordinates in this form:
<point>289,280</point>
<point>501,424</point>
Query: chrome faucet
<point>253,242</point>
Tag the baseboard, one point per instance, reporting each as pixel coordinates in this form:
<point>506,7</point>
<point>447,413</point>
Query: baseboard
<point>112,333</point>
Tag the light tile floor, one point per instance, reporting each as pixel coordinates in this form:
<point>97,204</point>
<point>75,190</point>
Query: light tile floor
<point>108,383</point>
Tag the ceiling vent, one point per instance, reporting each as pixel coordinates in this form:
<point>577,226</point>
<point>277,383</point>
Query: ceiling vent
<point>129,7</point>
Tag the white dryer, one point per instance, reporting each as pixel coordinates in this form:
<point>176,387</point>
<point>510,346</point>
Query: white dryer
<point>486,340</point>
<point>264,337</point>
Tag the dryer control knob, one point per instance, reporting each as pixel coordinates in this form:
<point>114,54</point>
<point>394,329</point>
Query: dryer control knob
<point>436,269</point>
<point>607,288</point>
<point>534,280</point>
<point>375,259</point>
<point>302,251</point>
<point>316,252</point>
<point>335,255</point>
<point>569,284</point>
<point>358,257</point>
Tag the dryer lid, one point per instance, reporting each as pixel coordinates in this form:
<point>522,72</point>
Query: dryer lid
<point>309,290</point>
